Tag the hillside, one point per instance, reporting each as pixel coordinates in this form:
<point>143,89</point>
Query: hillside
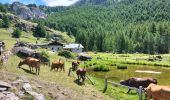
<point>27,29</point>
<point>120,26</point>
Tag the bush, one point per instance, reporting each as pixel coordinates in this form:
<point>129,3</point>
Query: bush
<point>102,68</point>
<point>45,54</point>
<point>16,33</point>
<point>66,54</point>
<point>39,31</point>
<point>120,66</point>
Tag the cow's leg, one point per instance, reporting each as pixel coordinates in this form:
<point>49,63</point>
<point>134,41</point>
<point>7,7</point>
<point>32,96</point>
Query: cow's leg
<point>75,67</point>
<point>30,68</point>
<point>38,70</point>
<point>78,76</point>
<point>63,69</point>
<point>128,91</point>
<point>57,68</point>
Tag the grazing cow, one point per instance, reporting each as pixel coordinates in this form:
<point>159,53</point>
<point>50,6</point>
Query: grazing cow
<point>158,92</point>
<point>58,64</point>
<point>75,65</point>
<point>31,62</point>
<point>81,74</point>
<point>136,82</point>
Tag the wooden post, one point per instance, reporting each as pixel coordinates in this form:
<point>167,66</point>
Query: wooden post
<point>105,85</point>
<point>140,92</point>
<point>69,72</point>
<point>90,80</point>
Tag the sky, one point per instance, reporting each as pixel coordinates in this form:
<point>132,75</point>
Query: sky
<point>44,2</point>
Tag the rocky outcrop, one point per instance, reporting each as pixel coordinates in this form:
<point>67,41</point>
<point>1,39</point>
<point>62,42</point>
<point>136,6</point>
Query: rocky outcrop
<point>27,13</point>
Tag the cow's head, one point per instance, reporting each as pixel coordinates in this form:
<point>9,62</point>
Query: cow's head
<point>124,82</point>
<point>20,64</point>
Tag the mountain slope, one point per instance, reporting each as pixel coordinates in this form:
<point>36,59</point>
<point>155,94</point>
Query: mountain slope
<point>115,27</point>
<point>28,27</point>
<point>27,12</point>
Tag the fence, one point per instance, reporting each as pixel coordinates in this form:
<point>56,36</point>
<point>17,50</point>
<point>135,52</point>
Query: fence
<point>139,91</point>
<point>71,72</point>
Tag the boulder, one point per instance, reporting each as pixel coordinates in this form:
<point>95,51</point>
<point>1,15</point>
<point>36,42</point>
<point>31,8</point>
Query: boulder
<point>27,87</point>
<point>4,85</point>
<point>8,96</point>
<point>23,51</point>
<point>84,57</point>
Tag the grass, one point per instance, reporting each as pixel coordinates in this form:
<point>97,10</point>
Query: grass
<point>133,62</point>
<point>108,60</point>
<point>47,76</point>
<point>121,66</point>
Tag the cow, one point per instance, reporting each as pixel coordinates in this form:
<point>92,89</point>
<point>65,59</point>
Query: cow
<point>58,64</point>
<point>81,74</point>
<point>32,63</point>
<point>75,65</point>
<point>158,92</point>
<point>136,82</point>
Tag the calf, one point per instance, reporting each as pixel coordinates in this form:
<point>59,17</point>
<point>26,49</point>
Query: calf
<point>158,92</point>
<point>58,64</point>
<point>136,82</point>
<point>75,65</point>
<point>81,74</point>
<point>31,62</point>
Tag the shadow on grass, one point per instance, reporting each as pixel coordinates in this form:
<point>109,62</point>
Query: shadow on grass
<point>130,93</point>
<point>77,81</point>
<point>28,71</point>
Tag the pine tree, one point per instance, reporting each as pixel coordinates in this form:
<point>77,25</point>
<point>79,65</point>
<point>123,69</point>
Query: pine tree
<point>6,22</point>
<point>39,31</point>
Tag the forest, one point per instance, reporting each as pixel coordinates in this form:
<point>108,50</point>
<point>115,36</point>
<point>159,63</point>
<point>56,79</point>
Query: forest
<point>118,26</point>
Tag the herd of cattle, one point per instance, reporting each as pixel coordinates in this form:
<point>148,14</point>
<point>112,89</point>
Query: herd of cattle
<point>150,86</point>
<point>35,63</point>
<point>157,92</point>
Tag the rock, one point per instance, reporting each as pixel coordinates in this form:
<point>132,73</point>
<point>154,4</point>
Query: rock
<point>27,87</point>
<point>21,94</point>
<point>17,82</point>
<point>36,95</point>
<point>26,12</point>
<point>84,57</point>
<point>3,89</point>
<point>8,96</point>
<point>24,51</point>
<point>4,84</point>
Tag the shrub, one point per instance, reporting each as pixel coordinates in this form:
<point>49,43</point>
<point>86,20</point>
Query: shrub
<point>102,68</point>
<point>16,33</point>
<point>66,54</point>
<point>39,31</point>
<point>120,66</point>
<point>44,53</point>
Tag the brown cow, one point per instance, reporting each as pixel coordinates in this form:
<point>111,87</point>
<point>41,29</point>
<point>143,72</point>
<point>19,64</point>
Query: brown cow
<point>31,62</point>
<point>158,92</point>
<point>58,64</point>
<point>136,82</point>
<point>81,74</point>
<point>75,65</point>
